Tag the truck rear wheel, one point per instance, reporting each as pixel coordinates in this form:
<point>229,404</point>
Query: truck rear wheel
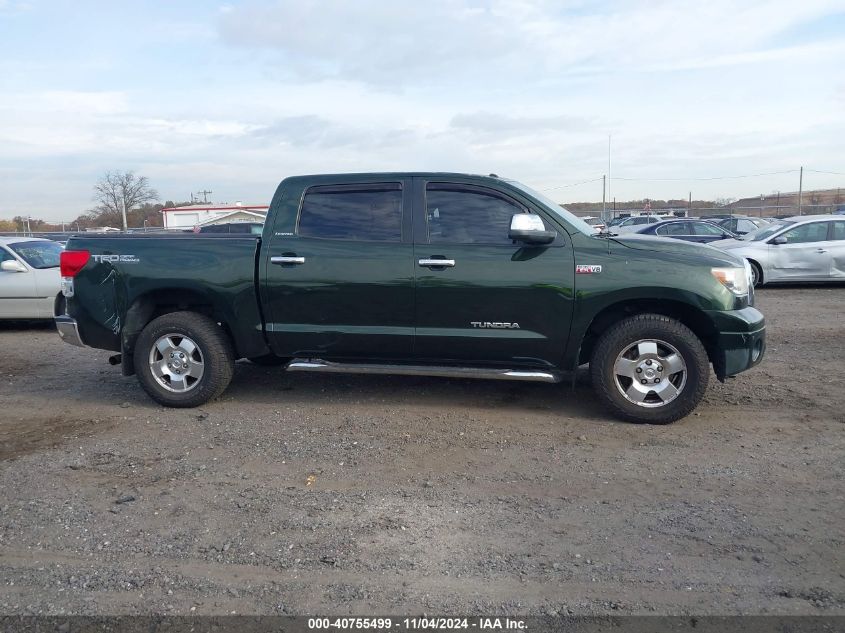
<point>183,359</point>
<point>650,368</point>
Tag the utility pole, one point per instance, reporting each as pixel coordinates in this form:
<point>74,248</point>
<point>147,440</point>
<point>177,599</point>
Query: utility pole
<point>604,198</point>
<point>609,170</point>
<point>800,188</point>
<point>204,195</point>
<point>123,205</point>
<point>689,205</point>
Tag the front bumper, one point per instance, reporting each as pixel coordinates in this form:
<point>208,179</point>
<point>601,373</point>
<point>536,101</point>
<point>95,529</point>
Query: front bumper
<point>740,343</point>
<point>68,330</point>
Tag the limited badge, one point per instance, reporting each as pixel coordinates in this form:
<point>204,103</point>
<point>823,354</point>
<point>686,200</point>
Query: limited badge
<point>586,269</point>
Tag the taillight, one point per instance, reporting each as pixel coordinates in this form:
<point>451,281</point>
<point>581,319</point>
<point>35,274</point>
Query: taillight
<point>71,262</point>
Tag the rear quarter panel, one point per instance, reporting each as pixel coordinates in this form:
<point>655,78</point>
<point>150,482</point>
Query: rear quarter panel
<point>217,270</point>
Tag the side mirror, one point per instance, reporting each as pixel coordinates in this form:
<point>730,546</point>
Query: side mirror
<point>529,228</point>
<point>780,239</point>
<point>12,266</point>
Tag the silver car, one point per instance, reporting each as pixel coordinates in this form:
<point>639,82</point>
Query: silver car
<point>30,282</point>
<point>801,248</point>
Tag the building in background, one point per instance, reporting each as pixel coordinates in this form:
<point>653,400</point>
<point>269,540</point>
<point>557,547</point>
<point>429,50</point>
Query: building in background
<point>192,215</point>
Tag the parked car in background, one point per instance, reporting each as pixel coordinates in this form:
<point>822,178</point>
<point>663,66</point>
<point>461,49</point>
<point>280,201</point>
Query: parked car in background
<point>30,284</point>
<point>635,222</point>
<point>800,248</point>
<point>700,231</point>
<point>597,223</point>
<point>234,228</point>
<point>742,225</point>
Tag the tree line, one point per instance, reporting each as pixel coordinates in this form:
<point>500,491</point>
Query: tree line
<point>113,192</point>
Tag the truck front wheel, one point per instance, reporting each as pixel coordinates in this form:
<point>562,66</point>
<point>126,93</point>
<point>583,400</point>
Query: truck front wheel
<point>183,359</point>
<point>650,368</point>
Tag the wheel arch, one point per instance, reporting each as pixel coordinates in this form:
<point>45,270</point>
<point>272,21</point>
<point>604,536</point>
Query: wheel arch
<point>159,301</point>
<point>760,270</point>
<point>691,316</point>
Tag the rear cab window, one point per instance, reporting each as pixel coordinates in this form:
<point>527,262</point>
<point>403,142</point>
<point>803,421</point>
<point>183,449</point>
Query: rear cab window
<point>360,212</point>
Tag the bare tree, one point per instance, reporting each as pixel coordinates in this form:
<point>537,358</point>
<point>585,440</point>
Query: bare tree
<point>119,192</point>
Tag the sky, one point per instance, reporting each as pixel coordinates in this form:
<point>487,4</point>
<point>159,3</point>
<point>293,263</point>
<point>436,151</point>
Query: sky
<point>234,97</point>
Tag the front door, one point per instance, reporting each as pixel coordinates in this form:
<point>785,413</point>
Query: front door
<point>18,292</point>
<point>804,256</point>
<point>341,284</point>
<point>490,300</point>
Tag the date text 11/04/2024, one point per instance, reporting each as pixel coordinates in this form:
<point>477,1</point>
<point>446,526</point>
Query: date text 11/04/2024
<point>422,623</point>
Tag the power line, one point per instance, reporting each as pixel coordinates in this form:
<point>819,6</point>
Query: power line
<point>574,184</point>
<point>769,173</point>
<point>819,171</point>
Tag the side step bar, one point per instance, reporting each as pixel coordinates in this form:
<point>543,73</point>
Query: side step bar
<point>305,364</point>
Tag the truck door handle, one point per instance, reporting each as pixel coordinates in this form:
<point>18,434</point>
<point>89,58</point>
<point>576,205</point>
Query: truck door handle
<point>437,263</point>
<point>285,259</point>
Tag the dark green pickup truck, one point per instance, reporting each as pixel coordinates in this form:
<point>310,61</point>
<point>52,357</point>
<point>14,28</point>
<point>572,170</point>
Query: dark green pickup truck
<point>417,273</point>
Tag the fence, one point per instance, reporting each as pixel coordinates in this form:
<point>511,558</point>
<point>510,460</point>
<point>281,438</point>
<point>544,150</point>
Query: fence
<point>751,211</point>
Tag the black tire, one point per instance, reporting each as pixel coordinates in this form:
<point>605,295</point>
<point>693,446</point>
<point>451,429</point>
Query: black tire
<point>268,360</point>
<point>756,272</point>
<point>689,385</point>
<point>215,352</point>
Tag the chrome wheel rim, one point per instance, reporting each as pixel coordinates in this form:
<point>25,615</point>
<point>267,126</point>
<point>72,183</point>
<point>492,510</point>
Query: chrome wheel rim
<point>176,363</point>
<point>650,373</point>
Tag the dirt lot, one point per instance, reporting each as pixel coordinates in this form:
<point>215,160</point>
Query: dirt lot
<point>349,494</point>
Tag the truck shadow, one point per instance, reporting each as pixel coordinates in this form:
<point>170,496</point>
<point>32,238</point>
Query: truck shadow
<point>274,386</point>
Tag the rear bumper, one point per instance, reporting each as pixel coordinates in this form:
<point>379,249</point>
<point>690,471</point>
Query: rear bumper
<point>68,330</point>
<point>740,343</point>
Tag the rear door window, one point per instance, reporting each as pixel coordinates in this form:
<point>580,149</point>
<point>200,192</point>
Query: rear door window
<point>702,228</point>
<point>353,212</point>
<point>675,228</point>
<point>838,231</point>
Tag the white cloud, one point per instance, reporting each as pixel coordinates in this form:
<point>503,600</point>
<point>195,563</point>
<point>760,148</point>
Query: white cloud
<point>398,44</point>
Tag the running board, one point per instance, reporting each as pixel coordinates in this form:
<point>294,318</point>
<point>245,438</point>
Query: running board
<point>302,364</point>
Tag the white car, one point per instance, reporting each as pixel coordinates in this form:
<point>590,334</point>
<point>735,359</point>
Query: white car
<point>800,248</point>
<point>635,223</point>
<point>30,282</point>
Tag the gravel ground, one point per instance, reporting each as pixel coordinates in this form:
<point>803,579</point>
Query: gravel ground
<point>304,494</point>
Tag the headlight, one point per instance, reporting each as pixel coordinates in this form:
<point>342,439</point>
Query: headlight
<point>734,279</point>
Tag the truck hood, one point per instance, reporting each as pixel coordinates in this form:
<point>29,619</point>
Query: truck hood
<point>679,247</point>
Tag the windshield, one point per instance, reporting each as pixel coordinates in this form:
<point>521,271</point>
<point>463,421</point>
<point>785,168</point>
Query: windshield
<point>765,232</point>
<point>38,254</point>
<point>556,209</point>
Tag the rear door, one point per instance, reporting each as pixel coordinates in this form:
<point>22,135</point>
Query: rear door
<point>805,255</point>
<point>836,246</point>
<point>491,300</point>
<point>342,284</point>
